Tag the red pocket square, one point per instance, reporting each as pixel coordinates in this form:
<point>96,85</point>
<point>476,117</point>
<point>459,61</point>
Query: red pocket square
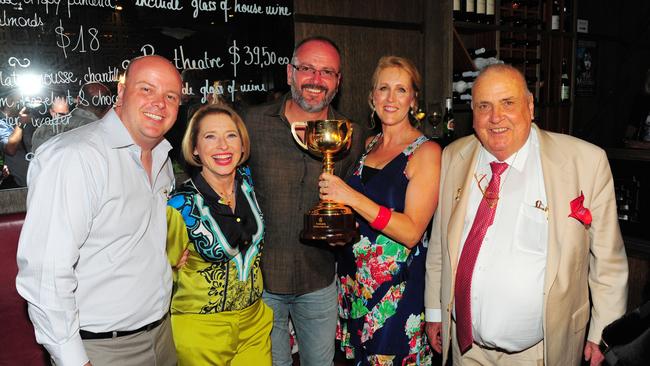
<point>580,212</point>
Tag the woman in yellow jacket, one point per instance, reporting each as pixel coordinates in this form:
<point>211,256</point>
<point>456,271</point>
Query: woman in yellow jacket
<point>218,317</point>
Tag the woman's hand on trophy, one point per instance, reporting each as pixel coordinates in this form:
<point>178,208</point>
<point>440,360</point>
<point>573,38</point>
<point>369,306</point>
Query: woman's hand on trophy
<point>335,189</point>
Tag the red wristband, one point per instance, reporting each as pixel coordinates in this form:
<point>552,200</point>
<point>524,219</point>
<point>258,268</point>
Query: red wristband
<point>381,221</point>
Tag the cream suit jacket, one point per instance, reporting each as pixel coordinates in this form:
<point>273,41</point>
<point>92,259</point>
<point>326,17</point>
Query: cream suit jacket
<point>580,259</point>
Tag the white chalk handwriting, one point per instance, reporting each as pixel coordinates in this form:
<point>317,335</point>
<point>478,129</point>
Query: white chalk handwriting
<point>20,21</point>
<point>160,4</point>
<point>91,41</point>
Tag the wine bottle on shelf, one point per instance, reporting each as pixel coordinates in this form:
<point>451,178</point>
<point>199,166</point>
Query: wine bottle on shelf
<point>481,62</point>
<point>555,15</point>
<point>448,123</point>
<point>480,11</point>
<point>565,85</point>
<point>465,98</point>
<point>487,53</point>
<point>462,86</point>
<point>457,14</point>
<point>470,11</point>
<point>567,17</point>
<point>489,11</point>
<point>475,52</point>
<point>469,75</point>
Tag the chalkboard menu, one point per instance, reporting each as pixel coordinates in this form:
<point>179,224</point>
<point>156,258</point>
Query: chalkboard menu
<point>236,50</point>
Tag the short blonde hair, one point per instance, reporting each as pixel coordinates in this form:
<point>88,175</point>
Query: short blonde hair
<point>191,133</point>
<point>403,64</point>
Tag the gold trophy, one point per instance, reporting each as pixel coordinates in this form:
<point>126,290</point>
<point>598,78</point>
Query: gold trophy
<point>329,221</point>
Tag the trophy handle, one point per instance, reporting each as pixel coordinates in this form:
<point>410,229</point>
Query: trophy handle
<point>348,138</point>
<point>295,136</point>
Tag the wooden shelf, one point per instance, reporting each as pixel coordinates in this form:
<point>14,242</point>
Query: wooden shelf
<point>628,154</point>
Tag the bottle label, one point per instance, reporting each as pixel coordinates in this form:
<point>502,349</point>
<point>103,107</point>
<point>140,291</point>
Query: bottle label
<point>456,5</point>
<point>489,9</point>
<point>480,6</point>
<point>555,22</point>
<point>469,7</point>
<point>564,93</point>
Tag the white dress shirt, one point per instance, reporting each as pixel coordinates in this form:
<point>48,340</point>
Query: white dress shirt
<point>91,253</point>
<point>508,279</point>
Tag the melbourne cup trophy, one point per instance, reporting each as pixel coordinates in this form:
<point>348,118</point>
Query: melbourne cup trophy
<point>328,220</point>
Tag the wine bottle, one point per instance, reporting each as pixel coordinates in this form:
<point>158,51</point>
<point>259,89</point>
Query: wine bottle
<point>481,62</point>
<point>462,86</point>
<point>448,123</point>
<point>467,76</point>
<point>475,52</point>
<point>564,83</point>
<point>555,15</point>
<point>567,17</point>
<point>480,11</point>
<point>489,11</point>
<point>470,11</point>
<point>457,14</point>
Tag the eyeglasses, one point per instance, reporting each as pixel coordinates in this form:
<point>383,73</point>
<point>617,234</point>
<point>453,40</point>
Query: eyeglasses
<point>328,74</point>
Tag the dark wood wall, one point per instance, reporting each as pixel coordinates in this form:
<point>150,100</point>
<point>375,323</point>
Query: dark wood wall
<point>621,31</point>
<point>365,33</point>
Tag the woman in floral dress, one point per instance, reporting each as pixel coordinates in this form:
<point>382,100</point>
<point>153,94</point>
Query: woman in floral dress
<point>394,192</point>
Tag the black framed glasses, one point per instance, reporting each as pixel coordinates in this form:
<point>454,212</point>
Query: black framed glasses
<point>324,73</point>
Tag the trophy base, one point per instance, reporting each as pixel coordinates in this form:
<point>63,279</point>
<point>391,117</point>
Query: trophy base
<point>333,224</point>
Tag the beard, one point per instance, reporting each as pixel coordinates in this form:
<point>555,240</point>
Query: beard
<point>298,97</point>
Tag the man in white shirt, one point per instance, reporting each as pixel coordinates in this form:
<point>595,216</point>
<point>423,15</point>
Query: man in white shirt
<point>533,246</point>
<point>91,257</point>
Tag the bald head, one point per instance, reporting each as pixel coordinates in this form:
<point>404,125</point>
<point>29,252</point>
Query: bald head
<point>507,71</point>
<point>503,110</point>
<point>148,99</point>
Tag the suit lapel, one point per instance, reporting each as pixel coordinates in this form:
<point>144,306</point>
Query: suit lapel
<point>557,183</point>
<point>464,164</point>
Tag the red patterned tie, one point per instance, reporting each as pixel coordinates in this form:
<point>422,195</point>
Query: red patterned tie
<point>484,218</point>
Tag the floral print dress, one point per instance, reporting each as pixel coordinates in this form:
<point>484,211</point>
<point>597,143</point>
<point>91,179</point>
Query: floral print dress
<point>381,282</point>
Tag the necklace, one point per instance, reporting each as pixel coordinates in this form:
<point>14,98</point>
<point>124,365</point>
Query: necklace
<point>224,198</point>
<point>492,198</point>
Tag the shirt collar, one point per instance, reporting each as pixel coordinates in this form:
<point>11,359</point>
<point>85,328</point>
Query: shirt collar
<point>206,190</point>
<point>117,136</point>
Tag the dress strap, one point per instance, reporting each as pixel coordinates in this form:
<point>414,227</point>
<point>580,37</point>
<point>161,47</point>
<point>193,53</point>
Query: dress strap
<point>414,145</point>
<point>369,148</point>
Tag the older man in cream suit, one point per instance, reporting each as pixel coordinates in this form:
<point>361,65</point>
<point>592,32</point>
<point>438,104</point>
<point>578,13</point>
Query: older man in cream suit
<point>525,231</point>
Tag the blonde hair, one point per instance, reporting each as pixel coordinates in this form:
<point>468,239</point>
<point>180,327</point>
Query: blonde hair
<point>191,133</point>
<point>403,64</point>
